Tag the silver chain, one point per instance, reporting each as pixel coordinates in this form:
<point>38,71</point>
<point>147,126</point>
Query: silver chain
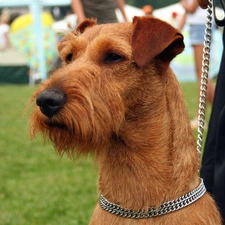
<point>166,207</point>
<point>204,77</point>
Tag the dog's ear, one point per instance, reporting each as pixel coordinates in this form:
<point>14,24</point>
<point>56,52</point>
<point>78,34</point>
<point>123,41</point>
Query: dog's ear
<point>82,26</point>
<point>154,38</point>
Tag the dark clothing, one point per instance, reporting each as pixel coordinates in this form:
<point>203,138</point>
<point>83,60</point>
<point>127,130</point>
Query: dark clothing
<point>213,162</point>
<point>104,11</point>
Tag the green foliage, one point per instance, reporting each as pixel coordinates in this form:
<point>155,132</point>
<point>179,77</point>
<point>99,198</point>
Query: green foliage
<point>37,187</point>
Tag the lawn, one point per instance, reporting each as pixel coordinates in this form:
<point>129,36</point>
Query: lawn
<point>37,187</point>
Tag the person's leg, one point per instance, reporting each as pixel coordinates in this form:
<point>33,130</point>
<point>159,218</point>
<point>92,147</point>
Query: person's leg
<point>198,51</point>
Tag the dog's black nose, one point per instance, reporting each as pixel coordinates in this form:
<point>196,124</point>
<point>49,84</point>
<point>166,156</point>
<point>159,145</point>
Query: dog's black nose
<point>50,101</point>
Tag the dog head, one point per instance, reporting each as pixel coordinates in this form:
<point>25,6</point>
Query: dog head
<point>112,80</point>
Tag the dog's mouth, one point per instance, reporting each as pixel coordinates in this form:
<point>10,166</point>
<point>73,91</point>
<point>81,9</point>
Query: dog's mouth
<point>58,125</point>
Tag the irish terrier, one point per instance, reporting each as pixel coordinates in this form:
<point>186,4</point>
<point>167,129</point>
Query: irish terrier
<point>117,98</point>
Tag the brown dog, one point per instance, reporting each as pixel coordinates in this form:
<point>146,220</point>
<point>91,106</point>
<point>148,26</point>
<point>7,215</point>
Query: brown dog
<point>117,98</point>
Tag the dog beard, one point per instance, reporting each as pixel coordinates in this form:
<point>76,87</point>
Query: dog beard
<point>83,124</point>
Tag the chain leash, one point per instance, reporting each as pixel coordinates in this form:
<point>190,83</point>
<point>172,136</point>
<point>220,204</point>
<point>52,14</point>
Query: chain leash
<point>204,78</point>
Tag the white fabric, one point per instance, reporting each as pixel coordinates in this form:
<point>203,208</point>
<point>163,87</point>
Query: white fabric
<point>4,28</point>
<point>198,17</point>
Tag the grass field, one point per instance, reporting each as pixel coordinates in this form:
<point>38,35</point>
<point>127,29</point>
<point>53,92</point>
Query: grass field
<point>37,187</point>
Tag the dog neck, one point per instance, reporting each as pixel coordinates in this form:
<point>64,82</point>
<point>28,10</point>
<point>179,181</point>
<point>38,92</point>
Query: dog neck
<point>164,208</point>
<point>158,164</point>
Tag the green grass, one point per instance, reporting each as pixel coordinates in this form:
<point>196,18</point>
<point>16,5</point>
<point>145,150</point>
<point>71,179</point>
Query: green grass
<point>191,97</point>
<point>37,187</point>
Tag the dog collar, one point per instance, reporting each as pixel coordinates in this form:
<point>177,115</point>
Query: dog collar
<point>165,208</point>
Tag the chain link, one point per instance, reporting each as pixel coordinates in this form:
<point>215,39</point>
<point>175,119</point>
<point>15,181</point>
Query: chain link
<point>165,208</point>
<point>204,77</point>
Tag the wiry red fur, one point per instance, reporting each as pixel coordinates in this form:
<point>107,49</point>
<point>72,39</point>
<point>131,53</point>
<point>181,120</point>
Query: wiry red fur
<point>131,114</point>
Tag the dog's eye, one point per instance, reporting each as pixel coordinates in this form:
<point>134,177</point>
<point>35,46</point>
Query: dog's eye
<point>69,58</point>
<point>113,58</point>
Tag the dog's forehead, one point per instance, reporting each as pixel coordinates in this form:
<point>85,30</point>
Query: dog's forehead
<point>117,30</point>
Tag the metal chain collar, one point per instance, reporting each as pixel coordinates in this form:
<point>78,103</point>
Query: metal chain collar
<point>165,208</point>
<point>204,77</point>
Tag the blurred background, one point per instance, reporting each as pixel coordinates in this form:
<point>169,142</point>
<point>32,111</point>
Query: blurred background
<point>37,26</point>
<point>37,186</point>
